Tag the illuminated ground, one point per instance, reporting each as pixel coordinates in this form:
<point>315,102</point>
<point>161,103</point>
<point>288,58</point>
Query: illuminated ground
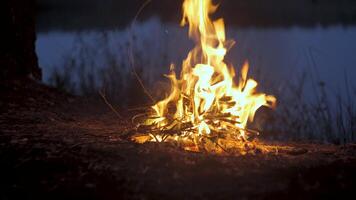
<point>56,146</point>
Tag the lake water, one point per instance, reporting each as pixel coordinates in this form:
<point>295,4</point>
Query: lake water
<point>276,55</point>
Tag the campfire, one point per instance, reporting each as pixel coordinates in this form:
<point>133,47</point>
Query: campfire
<point>208,105</point>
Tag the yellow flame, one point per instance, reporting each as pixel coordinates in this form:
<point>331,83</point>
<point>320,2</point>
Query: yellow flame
<point>206,85</point>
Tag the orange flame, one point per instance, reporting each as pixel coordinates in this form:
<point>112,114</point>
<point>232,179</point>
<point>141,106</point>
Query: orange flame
<point>205,90</point>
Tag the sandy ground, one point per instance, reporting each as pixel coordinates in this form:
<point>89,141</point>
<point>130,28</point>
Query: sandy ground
<point>56,146</point>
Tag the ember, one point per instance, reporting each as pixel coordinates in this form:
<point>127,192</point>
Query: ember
<point>205,109</point>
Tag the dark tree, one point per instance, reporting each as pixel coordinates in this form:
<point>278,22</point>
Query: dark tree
<point>18,58</point>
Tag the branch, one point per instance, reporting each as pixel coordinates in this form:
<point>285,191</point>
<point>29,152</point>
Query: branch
<point>109,105</point>
<point>130,50</point>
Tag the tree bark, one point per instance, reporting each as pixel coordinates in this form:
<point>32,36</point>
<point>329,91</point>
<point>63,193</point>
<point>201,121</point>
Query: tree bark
<point>18,58</point>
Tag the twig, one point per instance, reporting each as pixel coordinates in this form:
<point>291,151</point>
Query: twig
<point>108,104</point>
<point>139,108</point>
<point>154,136</point>
<point>130,50</point>
<point>164,138</point>
<point>136,116</point>
<point>217,144</point>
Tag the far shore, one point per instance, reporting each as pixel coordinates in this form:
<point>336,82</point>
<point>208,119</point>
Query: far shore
<point>69,15</point>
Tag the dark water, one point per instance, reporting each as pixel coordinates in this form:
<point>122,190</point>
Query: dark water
<point>275,54</point>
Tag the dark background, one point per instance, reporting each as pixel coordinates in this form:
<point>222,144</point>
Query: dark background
<point>81,14</point>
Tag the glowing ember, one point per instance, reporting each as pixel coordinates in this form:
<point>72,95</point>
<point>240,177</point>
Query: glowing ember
<point>205,107</point>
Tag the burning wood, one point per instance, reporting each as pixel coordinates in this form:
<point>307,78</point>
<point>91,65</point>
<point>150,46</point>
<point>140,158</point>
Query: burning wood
<point>205,109</point>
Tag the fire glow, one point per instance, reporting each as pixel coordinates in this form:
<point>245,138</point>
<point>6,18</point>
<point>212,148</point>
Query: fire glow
<point>205,108</point>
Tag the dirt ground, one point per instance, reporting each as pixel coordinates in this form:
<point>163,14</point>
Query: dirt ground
<point>56,146</point>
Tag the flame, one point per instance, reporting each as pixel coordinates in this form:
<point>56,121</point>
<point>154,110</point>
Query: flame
<point>205,97</point>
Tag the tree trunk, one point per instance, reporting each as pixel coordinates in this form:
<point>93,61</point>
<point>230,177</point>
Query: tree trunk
<point>18,58</point>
